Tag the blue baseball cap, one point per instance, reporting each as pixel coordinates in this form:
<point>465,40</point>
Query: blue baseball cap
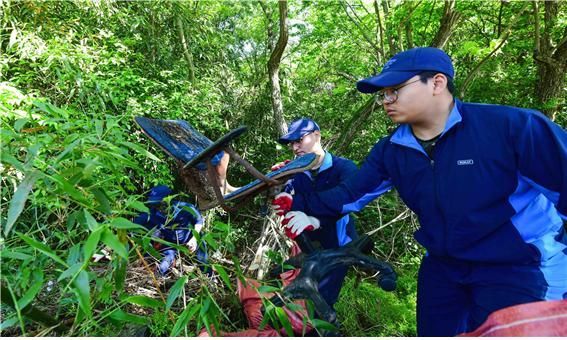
<point>297,129</point>
<point>407,64</point>
<point>158,193</point>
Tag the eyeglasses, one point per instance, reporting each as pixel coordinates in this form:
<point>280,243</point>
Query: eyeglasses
<point>390,95</point>
<point>298,141</point>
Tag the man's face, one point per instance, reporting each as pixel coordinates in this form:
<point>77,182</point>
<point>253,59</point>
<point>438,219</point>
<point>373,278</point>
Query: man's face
<point>306,144</point>
<point>404,103</point>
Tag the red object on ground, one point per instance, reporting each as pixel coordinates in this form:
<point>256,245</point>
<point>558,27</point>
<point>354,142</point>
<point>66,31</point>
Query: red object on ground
<point>542,318</point>
<point>252,304</point>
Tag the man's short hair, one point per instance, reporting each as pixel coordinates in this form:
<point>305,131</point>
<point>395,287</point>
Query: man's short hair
<point>424,76</point>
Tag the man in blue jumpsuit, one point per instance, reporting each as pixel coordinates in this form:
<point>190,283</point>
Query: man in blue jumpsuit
<point>304,136</point>
<point>487,182</point>
<point>176,227</point>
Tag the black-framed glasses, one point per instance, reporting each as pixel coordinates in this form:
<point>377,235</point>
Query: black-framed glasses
<point>299,141</point>
<point>390,95</point>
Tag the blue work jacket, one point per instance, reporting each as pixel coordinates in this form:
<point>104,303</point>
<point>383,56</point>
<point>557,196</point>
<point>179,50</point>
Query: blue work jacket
<point>175,228</point>
<point>335,231</point>
<point>495,189</point>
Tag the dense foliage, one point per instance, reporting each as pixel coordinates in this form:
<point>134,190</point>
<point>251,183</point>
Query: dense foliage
<point>74,167</point>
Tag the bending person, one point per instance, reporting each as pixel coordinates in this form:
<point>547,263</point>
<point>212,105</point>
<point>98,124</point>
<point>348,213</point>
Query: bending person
<point>304,136</point>
<point>487,182</point>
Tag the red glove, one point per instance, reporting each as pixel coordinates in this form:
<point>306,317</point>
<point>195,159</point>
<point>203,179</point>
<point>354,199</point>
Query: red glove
<point>279,165</point>
<point>296,222</point>
<point>282,203</point>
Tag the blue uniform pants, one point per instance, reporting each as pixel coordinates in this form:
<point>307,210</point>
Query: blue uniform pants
<point>457,296</point>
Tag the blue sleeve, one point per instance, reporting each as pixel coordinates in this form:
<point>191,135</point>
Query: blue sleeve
<point>352,194</point>
<point>541,151</point>
<point>184,213</point>
<point>142,219</point>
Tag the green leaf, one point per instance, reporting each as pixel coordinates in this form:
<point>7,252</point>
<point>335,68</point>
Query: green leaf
<point>209,239</point>
<point>104,203</point>
<point>184,319</point>
<point>19,124</point>
<point>139,206</point>
<point>68,149</point>
<point>175,291</point>
<point>143,301</point>
<point>114,243</point>
<point>122,223</point>
<point>322,324</point>
<point>32,292</point>
<point>5,157</point>
<point>82,290</point>
<point>90,245</point>
<point>19,200</point>
<point>74,269</point>
<point>268,289</point>
<point>141,151</point>
<point>284,319</point>
<point>205,306</point>
<point>294,307</point>
<point>121,315</point>
<point>14,255</point>
<point>42,248</point>
<point>8,323</point>
<point>92,224</point>
<point>120,274</point>
<point>224,276</point>
<point>69,189</point>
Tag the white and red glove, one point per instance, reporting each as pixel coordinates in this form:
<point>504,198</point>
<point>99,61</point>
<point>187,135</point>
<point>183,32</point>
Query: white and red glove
<point>282,203</point>
<point>296,222</point>
<point>279,165</point>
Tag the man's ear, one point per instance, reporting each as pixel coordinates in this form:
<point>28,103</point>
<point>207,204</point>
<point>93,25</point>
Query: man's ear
<point>317,133</point>
<point>439,83</point>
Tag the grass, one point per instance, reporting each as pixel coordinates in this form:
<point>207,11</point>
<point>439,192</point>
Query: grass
<point>364,309</point>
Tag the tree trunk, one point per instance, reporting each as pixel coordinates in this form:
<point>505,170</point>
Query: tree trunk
<point>551,62</point>
<point>353,126</point>
<point>391,45</point>
<point>186,51</point>
<point>503,39</point>
<point>274,67</point>
<point>448,23</point>
<point>380,31</point>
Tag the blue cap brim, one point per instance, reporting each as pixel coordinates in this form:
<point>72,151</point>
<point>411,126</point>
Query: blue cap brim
<point>288,138</point>
<point>387,79</point>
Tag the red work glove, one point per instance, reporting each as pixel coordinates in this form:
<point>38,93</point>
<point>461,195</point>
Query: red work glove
<point>279,165</point>
<point>296,222</point>
<point>282,203</point>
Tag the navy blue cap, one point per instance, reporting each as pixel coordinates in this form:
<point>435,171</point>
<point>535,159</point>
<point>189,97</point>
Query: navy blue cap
<point>407,64</point>
<point>297,129</point>
<point>158,193</point>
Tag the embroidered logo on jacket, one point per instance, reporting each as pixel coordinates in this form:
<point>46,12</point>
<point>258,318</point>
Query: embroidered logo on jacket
<point>465,162</point>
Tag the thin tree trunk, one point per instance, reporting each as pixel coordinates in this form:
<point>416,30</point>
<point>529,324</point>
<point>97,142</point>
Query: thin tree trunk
<point>380,29</point>
<point>391,45</point>
<point>353,126</point>
<point>448,23</point>
<point>186,51</point>
<point>274,67</point>
<point>363,31</point>
<point>551,62</point>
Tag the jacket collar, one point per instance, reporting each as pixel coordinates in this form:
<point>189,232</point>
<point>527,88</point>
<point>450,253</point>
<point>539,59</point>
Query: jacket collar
<point>326,164</point>
<point>404,136</point>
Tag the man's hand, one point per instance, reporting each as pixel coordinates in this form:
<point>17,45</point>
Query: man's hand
<point>192,244</point>
<point>279,165</point>
<point>296,222</point>
<point>282,203</point>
